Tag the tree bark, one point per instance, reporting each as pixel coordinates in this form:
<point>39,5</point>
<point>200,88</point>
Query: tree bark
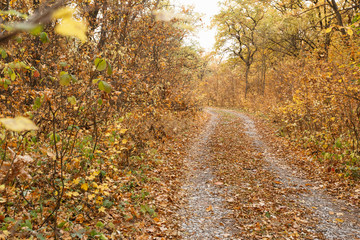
<point>247,70</point>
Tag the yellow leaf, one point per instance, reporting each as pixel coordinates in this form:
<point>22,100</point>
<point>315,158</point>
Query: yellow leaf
<point>72,28</point>
<point>99,200</point>
<point>85,186</point>
<point>91,177</point>
<point>70,194</point>
<point>18,124</point>
<point>68,25</point>
<point>328,29</point>
<point>339,220</point>
<point>124,141</point>
<point>102,209</point>
<point>2,188</point>
<point>123,131</point>
<point>91,197</point>
<point>65,12</point>
<point>76,181</point>
<point>349,31</point>
<point>210,208</point>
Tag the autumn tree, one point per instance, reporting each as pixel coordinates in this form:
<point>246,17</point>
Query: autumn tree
<point>237,28</point>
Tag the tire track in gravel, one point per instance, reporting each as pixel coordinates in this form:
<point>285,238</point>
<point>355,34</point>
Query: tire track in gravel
<point>336,220</point>
<point>205,215</point>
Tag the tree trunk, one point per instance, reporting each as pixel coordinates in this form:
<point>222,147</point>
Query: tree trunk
<point>247,70</point>
<point>263,77</point>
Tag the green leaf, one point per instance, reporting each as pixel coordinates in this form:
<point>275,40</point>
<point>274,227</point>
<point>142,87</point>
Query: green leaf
<point>64,78</point>
<point>72,100</point>
<point>28,224</point>
<point>14,13</point>
<point>9,70</point>
<point>107,203</point>
<point>62,224</point>
<point>36,30</point>
<point>3,83</point>
<point>73,78</point>
<point>109,69</point>
<point>338,143</point>
<point>3,54</point>
<point>57,137</point>
<point>102,237</point>
<point>93,233</point>
<point>104,86</point>
<point>95,80</point>
<point>9,219</point>
<point>40,236</point>
<point>17,65</point>
<point>7,81</point>
<point>44,37</point>
<point>63,64</point>
<point>23,65</point>
<point>79,233</point>
<point>37,103</point>
<point>13,76</point>
<point>100,64</point>
<point>100,224</point>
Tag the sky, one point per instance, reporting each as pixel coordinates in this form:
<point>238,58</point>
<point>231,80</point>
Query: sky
<point>205,36</point>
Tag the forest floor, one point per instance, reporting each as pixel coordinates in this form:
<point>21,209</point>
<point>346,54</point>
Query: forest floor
<point>241,181</point>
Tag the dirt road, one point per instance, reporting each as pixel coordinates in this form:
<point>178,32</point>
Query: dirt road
<point>238,187</point>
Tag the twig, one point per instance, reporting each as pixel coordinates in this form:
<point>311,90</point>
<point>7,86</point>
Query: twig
<point>37,18</point>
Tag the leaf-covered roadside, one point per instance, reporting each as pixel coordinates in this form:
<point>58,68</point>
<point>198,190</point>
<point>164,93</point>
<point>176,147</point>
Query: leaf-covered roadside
<point>305,159</point>
<point>104,109</point>
<point>108,199</point>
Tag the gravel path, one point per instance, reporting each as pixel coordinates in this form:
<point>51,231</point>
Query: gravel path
<point>205,216</point>
<point>337,220</point>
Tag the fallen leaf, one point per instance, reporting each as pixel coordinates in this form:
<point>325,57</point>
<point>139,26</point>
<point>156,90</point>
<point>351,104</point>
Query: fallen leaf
<point>339,220</point>
<point>101,209</point>
<point>85,186</point>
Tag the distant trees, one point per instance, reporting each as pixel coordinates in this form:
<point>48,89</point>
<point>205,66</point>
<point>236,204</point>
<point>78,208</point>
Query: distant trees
<point>299,59</point>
